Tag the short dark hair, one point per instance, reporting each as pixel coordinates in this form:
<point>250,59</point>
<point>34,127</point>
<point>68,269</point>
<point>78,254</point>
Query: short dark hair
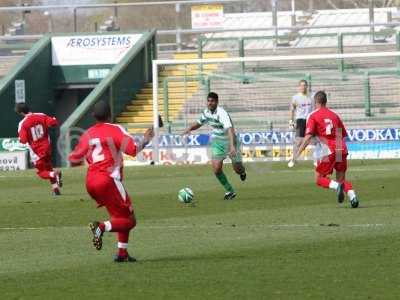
<point>213,95</point>
<point>21,108</point>
<point>102,111</point>
<point>321,98</point>
<point>303,81</point>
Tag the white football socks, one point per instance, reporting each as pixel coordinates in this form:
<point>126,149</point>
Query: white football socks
<point>122,245</point>
<point>333,185</point>
<point>351,194</point>
<point>107,226</point>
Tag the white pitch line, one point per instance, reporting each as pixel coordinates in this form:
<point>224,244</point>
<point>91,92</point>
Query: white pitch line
<point>356,169</point>
<point>216,226</point>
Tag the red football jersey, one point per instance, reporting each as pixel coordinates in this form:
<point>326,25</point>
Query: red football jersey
<point>34,131</point>
<point>102,145</point>
<point>327,126</point>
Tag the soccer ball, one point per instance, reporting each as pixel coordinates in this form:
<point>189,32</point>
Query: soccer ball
<point>185,195</point>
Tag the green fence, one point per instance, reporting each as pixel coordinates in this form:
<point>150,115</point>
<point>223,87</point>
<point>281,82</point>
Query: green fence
<point>240,41</point>
<point>35,69</point>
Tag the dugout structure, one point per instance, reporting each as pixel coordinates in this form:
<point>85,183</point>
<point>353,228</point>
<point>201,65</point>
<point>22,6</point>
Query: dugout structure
<point>66,75</point>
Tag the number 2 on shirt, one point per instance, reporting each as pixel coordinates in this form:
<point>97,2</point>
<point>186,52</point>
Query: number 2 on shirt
<point>328,126</point>
<point>96,154</point>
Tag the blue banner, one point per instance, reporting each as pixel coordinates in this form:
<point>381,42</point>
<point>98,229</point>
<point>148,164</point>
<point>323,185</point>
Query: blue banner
<point>389,136</point>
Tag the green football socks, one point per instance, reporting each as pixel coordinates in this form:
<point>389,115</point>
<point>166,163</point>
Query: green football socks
<point>224,181</point>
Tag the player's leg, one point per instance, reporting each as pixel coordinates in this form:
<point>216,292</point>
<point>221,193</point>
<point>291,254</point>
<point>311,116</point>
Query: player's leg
<point>323,170</point>
<point>300,131</point>
<point>112,194</point>
<point>223,180</point>
<point>239,169</point>
<point>42,169</point>
<point>55,179</point>
<point>324,181</point>
<point>45,171</point>
<point>123,239</point>
<point>237,163</point>
<point>122,221</point>
<point>219,151</point>
<point>346,186</point>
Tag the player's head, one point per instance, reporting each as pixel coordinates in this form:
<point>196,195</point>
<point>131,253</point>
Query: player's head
<point>22,109</point>
<point>303,86</point>
<point>212,101</point>
<point>102,111</point>
<point>320,99</point>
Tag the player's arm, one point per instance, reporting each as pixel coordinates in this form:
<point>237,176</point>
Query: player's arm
<point>304,144</point>
<point>23,135</point>
<point>129,146</point>
<point>196,125</point>
<point>51,121</point>
<point>228,126</point>
<point>78,154</point>
<point>147,137</point>
<point>292,109</point>
<point>192,127</point>
<point>232,137</point>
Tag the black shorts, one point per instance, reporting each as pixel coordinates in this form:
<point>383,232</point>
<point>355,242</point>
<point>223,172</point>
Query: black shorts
<point>301,128</point>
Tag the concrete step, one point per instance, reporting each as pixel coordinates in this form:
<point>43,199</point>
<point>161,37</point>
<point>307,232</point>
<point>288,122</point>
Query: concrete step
<point>134,130</point>
<point>148,107</point>
<point>134,119</point>
<point>149,101</point>
<point>194,55</point>
<point>171,91</point>
<point>183,95</point>
<point>171,113</point>
<point>188,83</point>
<point>191,67</point>
<point>183,73</point>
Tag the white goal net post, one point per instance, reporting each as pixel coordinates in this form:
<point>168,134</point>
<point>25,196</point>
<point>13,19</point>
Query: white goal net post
<point>358,68</point>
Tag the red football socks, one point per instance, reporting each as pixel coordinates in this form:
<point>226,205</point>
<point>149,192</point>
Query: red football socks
<point>323,182</point>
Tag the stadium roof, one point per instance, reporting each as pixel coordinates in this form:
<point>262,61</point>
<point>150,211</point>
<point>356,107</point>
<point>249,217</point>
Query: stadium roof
<point>317,18</point>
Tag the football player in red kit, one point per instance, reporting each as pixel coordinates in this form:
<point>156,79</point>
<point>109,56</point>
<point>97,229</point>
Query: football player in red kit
<point>34,131</point>
<point>103,145</point>
<point>330,151</point>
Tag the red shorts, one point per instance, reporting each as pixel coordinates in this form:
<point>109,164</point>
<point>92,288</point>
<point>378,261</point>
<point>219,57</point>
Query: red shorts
<point>335,161</point>
<point>110,193</point>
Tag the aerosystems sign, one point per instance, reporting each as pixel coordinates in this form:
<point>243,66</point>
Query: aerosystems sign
<point>91,49</point>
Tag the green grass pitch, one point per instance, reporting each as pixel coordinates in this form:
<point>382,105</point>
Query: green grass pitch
<point>281,238</point>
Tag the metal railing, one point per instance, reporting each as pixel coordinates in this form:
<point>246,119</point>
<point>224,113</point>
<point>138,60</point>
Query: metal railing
<point>179,32</point>
<point>202,41</point>
<point>115,6</point>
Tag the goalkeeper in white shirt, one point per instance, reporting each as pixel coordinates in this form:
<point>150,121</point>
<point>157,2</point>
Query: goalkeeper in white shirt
<point>300,107</point>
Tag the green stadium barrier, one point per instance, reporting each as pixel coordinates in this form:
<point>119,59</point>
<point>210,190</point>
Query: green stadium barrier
<point>202,42</point>
<point>34,68</point>
<point>117,87</point>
